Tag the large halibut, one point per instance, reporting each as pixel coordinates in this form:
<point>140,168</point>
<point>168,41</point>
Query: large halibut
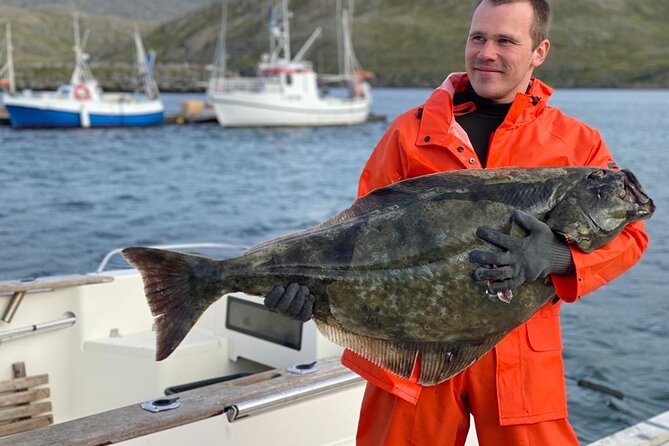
<point>391,274</point>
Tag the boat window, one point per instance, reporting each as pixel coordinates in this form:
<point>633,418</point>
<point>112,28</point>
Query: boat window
<point>289,79</point>
<point>64,90</point>
<point>256,320</point>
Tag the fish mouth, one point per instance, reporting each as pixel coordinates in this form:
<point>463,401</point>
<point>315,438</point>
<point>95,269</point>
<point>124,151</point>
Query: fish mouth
<point>644,206</point>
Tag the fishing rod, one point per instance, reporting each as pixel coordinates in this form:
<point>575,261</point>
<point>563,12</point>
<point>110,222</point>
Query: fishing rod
<point>601,388</point>
<point>597,387</point>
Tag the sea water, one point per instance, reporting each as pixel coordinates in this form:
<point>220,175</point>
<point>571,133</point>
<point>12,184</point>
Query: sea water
<point>70,196</point>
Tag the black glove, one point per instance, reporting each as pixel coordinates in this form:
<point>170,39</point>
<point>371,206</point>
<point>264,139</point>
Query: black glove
<point>529,258</point>
<point>294,301</point>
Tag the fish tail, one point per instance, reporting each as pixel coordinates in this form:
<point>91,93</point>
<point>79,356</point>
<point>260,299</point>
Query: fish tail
<point>179,288</point>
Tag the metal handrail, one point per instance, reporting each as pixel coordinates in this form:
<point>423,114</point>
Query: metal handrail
<point>275,400</point>
<point>112,253</point>
<point>29,330</point>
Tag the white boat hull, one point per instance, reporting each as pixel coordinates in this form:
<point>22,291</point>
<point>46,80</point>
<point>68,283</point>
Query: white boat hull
<point>239,109</point>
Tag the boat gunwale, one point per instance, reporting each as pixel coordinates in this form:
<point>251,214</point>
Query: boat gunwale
<point>132,421</point>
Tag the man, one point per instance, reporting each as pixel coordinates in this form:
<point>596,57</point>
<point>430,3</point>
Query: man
<point>494,115</point>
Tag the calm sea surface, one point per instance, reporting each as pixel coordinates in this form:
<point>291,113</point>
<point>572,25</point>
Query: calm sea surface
<point>68,197</point>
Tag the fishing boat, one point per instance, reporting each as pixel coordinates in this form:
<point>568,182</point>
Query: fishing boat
<point>286,89</point>
<point>82,103</point>
<point>77,367</point>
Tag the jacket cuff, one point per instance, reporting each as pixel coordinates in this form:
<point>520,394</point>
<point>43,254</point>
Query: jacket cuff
<point>562,262</point>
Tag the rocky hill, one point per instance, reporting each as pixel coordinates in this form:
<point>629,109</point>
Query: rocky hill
<point>595,43</point>
<point>148,10</point>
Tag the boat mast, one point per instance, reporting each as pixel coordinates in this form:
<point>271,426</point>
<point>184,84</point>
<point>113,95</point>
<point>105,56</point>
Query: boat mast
<point>81,71</point>
<point>347,44</point>
<point>350,62</point>
<point>220,55</point>
<point>8,68</point>
<point>145,67</point>
<point>279,34</point>
<point>343,35</point>
<point>285,14</point>
<point>338,27</point>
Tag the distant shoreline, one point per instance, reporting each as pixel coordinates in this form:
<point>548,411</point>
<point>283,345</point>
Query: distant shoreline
<point>192,78</point>
<point>185,88</point>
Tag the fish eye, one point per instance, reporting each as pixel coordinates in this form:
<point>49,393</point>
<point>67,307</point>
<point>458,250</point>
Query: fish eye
<point>597,174</point>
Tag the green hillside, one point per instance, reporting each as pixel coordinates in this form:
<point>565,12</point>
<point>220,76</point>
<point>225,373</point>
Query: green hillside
<point>595,43</point>
<point>149,10</point>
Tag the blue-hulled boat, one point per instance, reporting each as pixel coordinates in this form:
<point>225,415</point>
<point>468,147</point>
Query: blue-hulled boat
<point>82,103</point>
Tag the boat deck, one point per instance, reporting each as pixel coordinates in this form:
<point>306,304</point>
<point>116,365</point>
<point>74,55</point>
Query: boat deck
<point>651,432</point>
<point>232,402</point>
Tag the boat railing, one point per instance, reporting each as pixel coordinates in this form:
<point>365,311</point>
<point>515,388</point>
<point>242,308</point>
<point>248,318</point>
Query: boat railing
<point>247,84</point>
<point>68,320</point>
<point>108,257</point>
<point>33,94</point>
<point>18,289</point>
<point>118,97</point>
<point>290,395</point>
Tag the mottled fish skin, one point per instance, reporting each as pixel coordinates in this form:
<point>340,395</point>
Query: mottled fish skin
<point>391,274</point>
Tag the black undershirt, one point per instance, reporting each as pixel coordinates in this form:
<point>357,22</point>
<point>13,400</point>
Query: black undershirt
<point>482,122</point>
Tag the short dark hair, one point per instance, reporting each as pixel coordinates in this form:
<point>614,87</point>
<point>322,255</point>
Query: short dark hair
<point>542,17</point>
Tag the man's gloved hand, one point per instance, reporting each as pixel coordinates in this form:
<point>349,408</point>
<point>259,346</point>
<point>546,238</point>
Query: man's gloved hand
<point>529,258</point>
<point>294,301</point>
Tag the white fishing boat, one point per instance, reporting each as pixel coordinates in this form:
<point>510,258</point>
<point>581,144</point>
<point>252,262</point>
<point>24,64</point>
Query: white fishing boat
<point>78,351</point>
<point>87,346</point>
<point>285,90</point>
<point>82,103</point>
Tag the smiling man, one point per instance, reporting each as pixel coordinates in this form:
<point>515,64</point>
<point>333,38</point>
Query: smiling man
<point>494,115</point>
<point>500,54</point>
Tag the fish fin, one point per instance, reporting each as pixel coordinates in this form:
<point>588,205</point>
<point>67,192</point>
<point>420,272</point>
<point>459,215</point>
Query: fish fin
<point>442,361</point>
<point>404,192</point>
<point>399,358</point>
<point>178,287</point>
<point>438,361</point>
<point>392,196</point>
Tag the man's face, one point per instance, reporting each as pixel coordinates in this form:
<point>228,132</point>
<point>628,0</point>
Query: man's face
<point>500,55</point>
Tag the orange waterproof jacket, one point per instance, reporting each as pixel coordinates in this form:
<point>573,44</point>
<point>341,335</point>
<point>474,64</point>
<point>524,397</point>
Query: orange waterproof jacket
<point>427,139</point>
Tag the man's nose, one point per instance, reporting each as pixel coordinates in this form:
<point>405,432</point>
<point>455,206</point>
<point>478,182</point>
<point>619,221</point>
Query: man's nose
<point>488,51</point>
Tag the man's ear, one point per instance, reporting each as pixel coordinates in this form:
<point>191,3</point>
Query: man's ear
<point>540,53</point>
